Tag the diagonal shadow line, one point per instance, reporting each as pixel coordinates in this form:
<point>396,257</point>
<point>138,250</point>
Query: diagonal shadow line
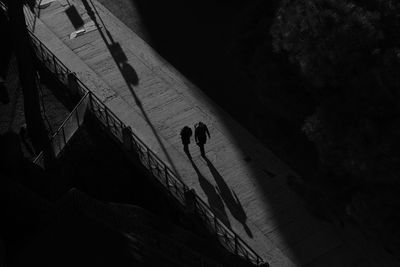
<point>213,197</point>
<point>230,198</point>
<point>128,73</point>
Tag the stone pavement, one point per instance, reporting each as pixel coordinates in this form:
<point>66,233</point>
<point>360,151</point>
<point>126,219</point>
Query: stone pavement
<point>241,180</point>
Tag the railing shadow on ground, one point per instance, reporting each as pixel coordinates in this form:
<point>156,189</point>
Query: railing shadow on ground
<point>159,170</point>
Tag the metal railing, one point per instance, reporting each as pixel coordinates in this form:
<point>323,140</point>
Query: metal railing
<point>66,130</point>
<point>39,159</point>
<point>158,168</point>
<point>70,125</point>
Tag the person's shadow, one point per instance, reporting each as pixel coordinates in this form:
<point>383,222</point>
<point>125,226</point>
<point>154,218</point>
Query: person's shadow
<point>230,198</point>
<point>129,74</point>
<point>214,199</point>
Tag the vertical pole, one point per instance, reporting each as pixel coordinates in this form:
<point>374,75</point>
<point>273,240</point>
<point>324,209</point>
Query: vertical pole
<point>166,176</point>
<point>127,138</point>
<point>73,85</point>
<point>41,51</point>
<point>65,140</point>
<point>90,101</point>
<point>148,158</point>
<point>105,110</point>
<point>54,64</point>
<point>236,244</point>
<point>59,147</point>
<point>190,201</point>
<point>77,116</point>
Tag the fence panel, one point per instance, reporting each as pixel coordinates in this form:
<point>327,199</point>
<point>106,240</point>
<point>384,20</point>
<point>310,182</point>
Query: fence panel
<point>114,125</point>
<point>81,109</point>
<point>58,142</point>
<point>70,125</point>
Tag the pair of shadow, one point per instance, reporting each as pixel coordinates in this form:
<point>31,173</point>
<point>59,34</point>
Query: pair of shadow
<point>187,152</point>
<point>220,194</point>
<point>216,195</point>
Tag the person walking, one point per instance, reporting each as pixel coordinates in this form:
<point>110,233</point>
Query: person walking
<point>200,135</point>
<point>186,134</point>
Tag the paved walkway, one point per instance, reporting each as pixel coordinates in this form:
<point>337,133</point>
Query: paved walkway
<point>242,180</point>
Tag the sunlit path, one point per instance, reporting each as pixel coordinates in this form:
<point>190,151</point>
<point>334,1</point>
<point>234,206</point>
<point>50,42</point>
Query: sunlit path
<point>240,179</point>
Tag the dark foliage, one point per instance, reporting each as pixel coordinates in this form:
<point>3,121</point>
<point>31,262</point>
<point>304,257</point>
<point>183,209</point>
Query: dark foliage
<point>276,82</point>
<point>349,51</point>
<point>343,57</point>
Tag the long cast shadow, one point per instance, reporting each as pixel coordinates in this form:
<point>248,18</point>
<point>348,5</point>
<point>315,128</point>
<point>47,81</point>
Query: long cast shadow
<point>230,198</point>
<point>190,35</point>
<point>213,197</point>
<point>128,73</point>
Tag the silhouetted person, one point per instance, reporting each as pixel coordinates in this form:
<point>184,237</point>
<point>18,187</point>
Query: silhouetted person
<point>200,135</point>
<point>186,133</point>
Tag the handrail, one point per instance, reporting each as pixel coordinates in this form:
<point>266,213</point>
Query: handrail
<point>75,119</point>
<point>69,116</point>
<point>39,159</point>
<point>158,168</point>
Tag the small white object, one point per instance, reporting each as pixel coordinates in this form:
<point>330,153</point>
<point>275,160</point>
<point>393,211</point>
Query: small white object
<point>77,33</point>
<point>44,3</point>
<point>88,27</point>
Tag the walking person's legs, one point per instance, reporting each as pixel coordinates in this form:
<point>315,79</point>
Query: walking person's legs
<point>202,152</point>
<point>186,149</point>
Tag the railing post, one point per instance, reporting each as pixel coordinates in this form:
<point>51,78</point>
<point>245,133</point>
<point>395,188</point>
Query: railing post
<point>41,50</point>
<point>106,112</point>
<point>236,244</point>
<point>90,101</point>
<point>77,117</point>
<point>148,157</point>
<point>65,139</point>
<point>59,147</point>
<point>190,201</point>
<point>127,138</point>
<point>54,64</point>
<point>73,85</point>
<point>166,176</point>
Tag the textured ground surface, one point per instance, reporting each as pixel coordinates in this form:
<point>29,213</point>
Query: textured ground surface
<point>241,179</point>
